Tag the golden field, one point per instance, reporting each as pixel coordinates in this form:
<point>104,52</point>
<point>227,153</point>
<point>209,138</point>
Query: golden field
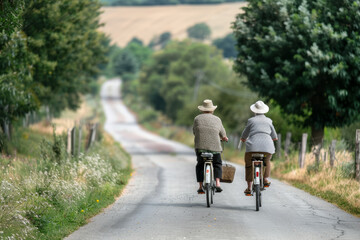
<point>124,23</point>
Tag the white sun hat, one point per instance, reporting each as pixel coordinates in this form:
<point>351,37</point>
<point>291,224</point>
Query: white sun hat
<point>259,107</point>
<point>207,106</point>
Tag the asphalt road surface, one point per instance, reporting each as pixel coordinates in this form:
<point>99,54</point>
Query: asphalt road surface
<point>161,202</point>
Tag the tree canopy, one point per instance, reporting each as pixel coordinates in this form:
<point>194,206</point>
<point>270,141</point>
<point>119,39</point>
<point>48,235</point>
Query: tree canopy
<point>199,31</point>
<point>227,45</point>
<point>183,74</point>
<point>16,88</point>
<point>49,53</point>
<point>305,56</point>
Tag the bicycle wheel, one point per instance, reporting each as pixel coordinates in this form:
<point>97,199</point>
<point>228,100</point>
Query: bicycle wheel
<point>208,192</point>
<point>212,195</point>
<point>260,198</point>
<point>257,199</point>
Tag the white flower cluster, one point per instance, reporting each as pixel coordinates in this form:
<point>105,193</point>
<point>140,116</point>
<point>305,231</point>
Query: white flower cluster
<point>13,224</point>
<point>24,199</point>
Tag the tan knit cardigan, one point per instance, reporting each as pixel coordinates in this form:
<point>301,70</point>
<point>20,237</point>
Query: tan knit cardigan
<point>208,131</point>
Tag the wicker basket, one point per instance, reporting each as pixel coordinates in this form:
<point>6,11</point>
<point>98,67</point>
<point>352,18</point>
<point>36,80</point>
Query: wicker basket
<point>228,173</point>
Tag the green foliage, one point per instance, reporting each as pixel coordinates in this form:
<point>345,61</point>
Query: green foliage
<point>128,61</point>
<point>304,55</point>
<point>16,85</point>
<point>227,45</point>
<point>136,40</point>
<point>160,41</point>
<point>125,63</point>
<point>141,53</point>
<point>348,134</point>
<point>347,169</point>
<point>199,31</point>
<point>53,151</point>
<point>183,74</point>
<point>68,46</point>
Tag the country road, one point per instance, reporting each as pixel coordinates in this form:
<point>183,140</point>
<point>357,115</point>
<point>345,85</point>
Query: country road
<point>160,200</point>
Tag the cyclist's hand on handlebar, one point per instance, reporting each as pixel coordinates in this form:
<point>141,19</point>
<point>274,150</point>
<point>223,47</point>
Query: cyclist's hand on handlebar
<point>225,139</point>
<point>243,139</point>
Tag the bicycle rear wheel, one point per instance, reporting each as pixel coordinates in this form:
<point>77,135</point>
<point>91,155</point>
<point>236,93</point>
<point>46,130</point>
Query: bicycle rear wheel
<point>212,195</point>
<point>208,193</point>
<point>257,199</point>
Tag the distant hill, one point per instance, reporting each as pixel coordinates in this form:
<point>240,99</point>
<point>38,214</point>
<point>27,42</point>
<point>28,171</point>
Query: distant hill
<point>161,2</point>
<point>124,23</point>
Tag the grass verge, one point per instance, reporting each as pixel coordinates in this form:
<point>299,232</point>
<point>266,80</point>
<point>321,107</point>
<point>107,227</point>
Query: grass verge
<point>47,194</point>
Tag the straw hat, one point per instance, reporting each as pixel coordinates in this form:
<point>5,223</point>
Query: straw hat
<point>207,106</point>
<point>259,107</point>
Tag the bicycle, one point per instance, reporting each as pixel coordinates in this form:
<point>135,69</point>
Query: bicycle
<point>258,182</point>
<point>209,180</point>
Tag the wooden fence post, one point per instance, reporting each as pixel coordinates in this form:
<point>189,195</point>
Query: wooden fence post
<point>73,131</point>
<point>92,136</point>
<point>287,144</point>
<point>302,150</point>
<point>332,152</point>
<point>80,136</point>
<point>68,148</point>
<point>236,140</point>
<point>278,150</point>
<point>357,156</point>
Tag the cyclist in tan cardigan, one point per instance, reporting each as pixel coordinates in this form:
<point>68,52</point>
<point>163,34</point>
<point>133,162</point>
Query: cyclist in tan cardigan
<point>208,131</point>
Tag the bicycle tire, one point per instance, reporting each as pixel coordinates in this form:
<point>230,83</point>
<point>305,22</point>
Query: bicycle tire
<point>260,198</point>
<point>207,190</point>
<point>212,195</point>
<point>257,199</point>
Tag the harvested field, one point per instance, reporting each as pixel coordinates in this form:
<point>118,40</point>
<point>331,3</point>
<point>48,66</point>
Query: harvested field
<point>124,23</point>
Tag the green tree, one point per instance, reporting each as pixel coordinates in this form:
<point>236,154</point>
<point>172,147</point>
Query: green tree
<point>227,45</point>
<point>183,74</point>
<point>125,63</point>
<point>65,37</point>
<point>199,31</point>
<point>136,40</point>
<point>305,56</point>
<point>141,53</point>
<point>16,86</point>
<point>160,41</point>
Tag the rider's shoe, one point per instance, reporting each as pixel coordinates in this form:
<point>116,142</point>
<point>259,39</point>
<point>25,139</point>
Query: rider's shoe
<point>247,192</point>
<point>218,189</point>
<point>267,184</point>
<point>201,191</point>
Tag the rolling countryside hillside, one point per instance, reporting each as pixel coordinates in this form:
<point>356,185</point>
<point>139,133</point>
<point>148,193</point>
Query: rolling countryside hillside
<point>124,23</point>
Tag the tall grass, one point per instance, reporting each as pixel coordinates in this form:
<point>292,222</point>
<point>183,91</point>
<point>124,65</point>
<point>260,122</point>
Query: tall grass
<point>47,197</point>
<point>335,184</point>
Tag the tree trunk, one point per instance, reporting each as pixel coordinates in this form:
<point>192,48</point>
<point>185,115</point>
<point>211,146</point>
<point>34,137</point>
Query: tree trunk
<point>317,135</point>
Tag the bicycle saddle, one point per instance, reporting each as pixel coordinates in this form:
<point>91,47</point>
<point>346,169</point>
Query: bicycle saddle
<point>206,155</point>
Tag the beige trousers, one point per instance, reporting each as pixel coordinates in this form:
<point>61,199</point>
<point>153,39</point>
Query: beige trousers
<point>248,165</point>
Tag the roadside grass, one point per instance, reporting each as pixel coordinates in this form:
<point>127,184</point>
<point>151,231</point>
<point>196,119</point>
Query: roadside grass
<point>47,194</point>
<point>335,185</point>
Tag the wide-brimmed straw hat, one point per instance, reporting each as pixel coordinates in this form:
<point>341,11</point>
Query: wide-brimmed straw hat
<point>207,106</point>
<point>259,107</point>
